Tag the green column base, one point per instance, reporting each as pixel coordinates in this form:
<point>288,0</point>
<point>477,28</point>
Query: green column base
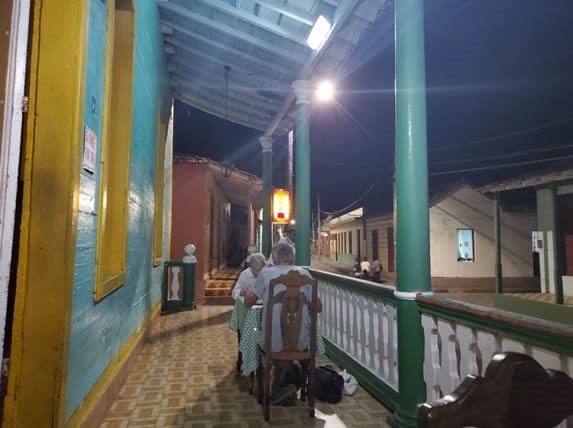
<point>411,385</point>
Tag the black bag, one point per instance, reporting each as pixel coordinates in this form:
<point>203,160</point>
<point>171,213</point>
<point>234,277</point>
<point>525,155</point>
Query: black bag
<point>327,384</point>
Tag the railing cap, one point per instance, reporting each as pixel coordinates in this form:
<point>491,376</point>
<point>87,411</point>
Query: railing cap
<point>189,257</point>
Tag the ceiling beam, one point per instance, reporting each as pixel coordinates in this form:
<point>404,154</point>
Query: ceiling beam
<point>230,31</point>
<point>251,18</point>
<point>214,60</point>
<point>237,95</point>
<point>252,92</point>
<point>343,12</point>
<point>280,69</point>
<point>286,10</point>
<point>234,104</point>
<point>210,108</point>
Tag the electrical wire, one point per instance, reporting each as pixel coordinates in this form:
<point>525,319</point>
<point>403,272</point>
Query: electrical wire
<point>503,165</point>
<point>500,137</point>
<point>352,204</point>
<point>505,155</point>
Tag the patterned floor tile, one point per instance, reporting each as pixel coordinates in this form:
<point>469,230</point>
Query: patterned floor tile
<point>222,282</point>
<point>184,377</point>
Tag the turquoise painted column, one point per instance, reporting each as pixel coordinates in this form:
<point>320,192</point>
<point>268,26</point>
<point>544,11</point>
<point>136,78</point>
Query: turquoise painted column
<point>267,146</point>
<point>412,211</point>
<point>497,242</point>
<point>302,90</point>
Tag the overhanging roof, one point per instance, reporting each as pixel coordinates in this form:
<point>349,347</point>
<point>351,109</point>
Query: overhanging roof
<point>264,43</point>
<point>561,171</point>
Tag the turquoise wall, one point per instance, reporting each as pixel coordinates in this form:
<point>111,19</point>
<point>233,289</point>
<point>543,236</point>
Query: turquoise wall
<point>98,330</point>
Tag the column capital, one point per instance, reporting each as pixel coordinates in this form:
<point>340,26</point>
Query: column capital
<point>303,90</point>
<point>266,143</point>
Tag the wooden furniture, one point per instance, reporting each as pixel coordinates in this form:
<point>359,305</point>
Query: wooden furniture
<point>515,392</point>
<point>293,300</point>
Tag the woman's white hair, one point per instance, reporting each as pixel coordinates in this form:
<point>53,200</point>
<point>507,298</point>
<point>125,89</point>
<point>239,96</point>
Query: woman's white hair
<point>257,260</point>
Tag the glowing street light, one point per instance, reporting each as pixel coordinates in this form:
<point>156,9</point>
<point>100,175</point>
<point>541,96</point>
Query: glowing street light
<point>325,91</point>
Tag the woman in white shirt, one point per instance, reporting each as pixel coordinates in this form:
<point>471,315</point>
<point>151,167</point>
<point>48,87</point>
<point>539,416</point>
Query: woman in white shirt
<point>248,277</point>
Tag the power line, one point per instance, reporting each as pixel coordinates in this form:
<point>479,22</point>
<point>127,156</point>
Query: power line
<point>506,155</point>
<point>352,204</point>
<point>500,137</point>
<point>503,165</point>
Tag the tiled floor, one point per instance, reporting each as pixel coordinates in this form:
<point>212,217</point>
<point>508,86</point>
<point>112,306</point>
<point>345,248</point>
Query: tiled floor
<point>185,377</point>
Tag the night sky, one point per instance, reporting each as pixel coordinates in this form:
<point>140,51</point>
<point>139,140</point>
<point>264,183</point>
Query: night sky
<point>499,89</point>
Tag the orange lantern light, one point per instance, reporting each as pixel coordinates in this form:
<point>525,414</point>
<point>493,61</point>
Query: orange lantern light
<point>281,206</point>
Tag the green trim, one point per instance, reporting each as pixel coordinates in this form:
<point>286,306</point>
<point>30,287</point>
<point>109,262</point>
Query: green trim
<point>368,380</point>
<point>360,286</point>
<point>491,321</point>
<point>188,300</point>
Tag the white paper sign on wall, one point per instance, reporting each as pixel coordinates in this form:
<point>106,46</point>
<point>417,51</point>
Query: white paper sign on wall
<point>90,150</point>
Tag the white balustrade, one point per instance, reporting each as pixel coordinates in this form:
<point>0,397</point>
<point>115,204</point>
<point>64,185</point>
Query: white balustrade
<point>175,284</point>
<point>453,350</point>
<point>362,326</point>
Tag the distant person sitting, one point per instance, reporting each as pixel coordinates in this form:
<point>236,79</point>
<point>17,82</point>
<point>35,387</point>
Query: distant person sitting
<point>357,269</point>
<point>376,270</point>
<point>365,267</point>
<point>247,278</point>
<point>252,249</point>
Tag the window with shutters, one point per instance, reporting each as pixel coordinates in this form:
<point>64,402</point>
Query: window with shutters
<point>116,147</point>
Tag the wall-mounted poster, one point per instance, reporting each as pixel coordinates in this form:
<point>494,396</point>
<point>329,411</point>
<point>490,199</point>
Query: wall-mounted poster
<point>90,150</point>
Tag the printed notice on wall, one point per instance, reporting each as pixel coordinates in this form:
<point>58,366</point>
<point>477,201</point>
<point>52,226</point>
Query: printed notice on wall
<point>90,150</point>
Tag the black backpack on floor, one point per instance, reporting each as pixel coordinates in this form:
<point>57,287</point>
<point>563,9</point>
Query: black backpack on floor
<point>327,384</point>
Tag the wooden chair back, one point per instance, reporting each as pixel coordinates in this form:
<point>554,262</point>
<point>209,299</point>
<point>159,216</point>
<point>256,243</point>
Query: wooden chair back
<point>515,392</point>
<point>293,304</point>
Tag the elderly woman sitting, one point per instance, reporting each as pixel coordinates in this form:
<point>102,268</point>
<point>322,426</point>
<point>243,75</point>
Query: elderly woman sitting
<point>247,278</point>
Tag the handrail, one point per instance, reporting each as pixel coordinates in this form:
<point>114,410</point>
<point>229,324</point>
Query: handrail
<point>461,335</point>
<point>546,334</point>
<point>362,286</point>
<point>358,323</point>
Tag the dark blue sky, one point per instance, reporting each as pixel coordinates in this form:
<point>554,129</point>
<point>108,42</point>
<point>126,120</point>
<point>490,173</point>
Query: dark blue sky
<point>500,84</point>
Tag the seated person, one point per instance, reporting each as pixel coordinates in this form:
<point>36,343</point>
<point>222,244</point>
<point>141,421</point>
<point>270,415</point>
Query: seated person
<point>376,270</point>
<point>247,278</point>
<point>284,239</point>
<point>365,266</point>
<point>283,258</point>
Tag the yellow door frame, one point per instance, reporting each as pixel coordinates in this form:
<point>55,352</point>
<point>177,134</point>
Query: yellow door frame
<point>52,161</point>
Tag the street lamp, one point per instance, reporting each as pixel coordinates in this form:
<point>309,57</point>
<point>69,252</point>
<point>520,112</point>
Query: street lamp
<point>325,91</point>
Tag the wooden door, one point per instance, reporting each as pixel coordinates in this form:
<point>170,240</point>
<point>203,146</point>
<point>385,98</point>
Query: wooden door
<point>374,245</point>
<point>390,237</point>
